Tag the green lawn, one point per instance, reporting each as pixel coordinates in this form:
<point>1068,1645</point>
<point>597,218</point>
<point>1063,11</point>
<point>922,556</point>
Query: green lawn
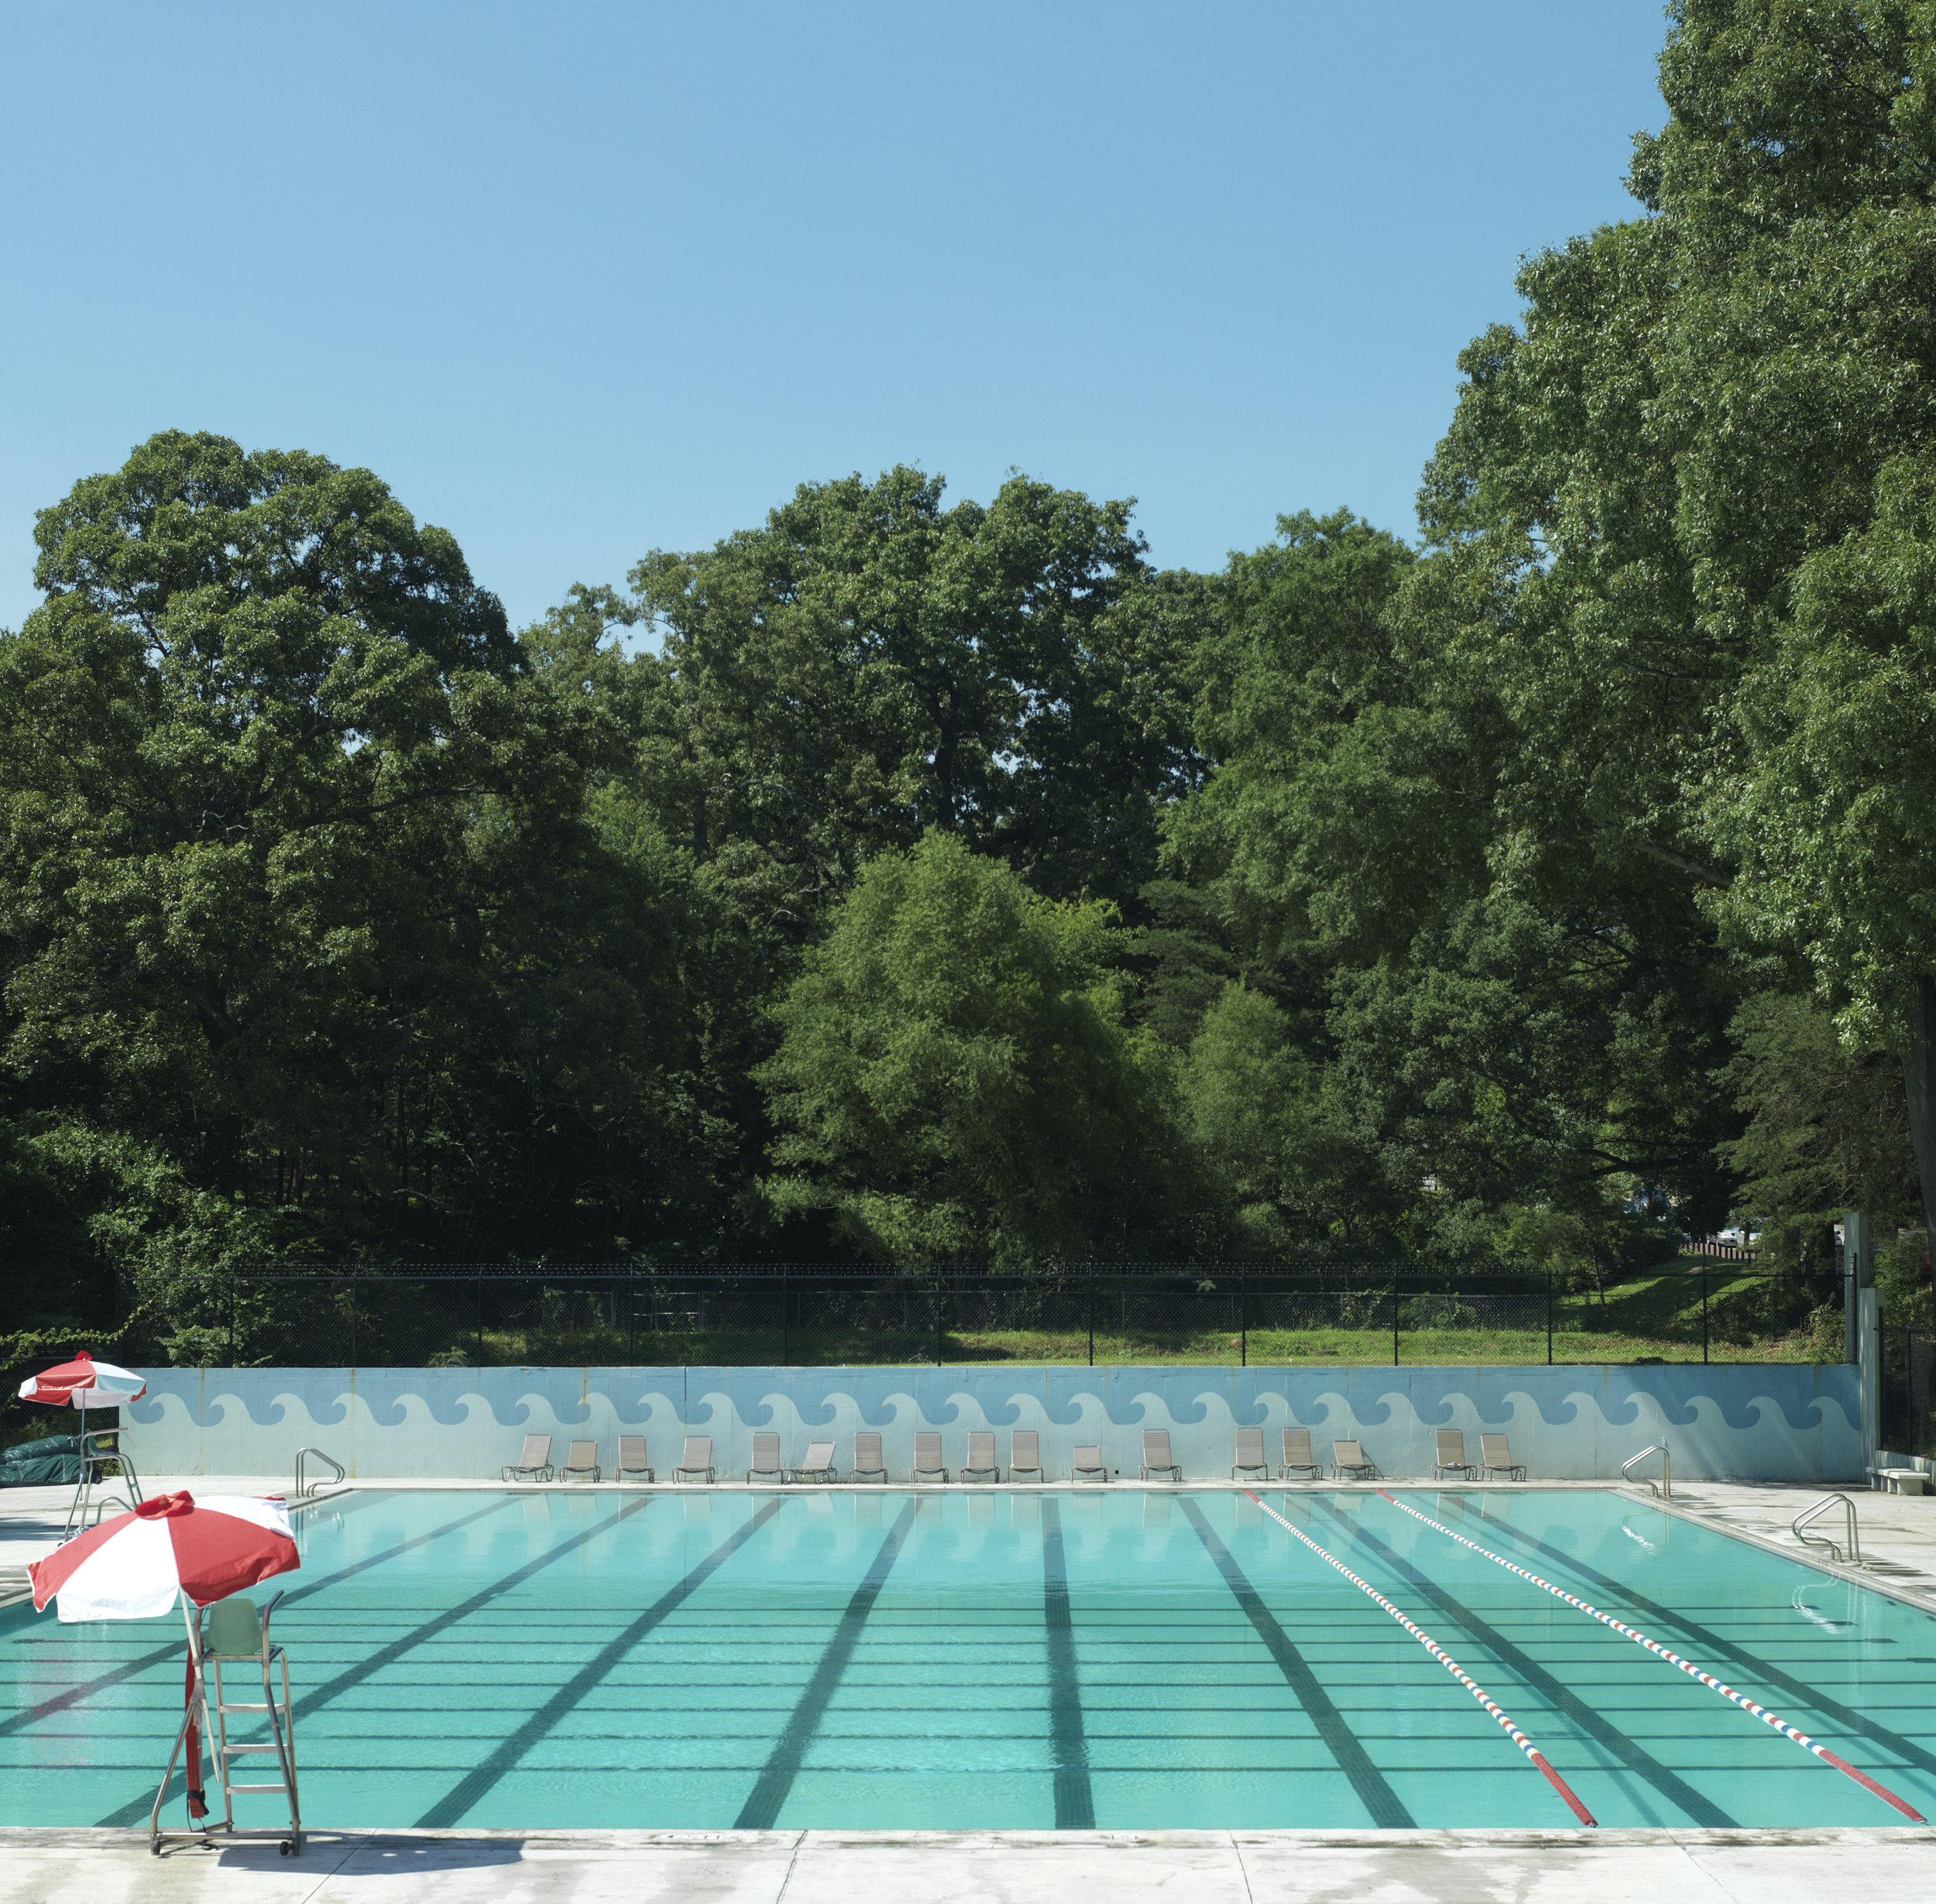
<point>1656,1319</point>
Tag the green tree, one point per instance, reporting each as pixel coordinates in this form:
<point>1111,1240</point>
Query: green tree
<point>1827,1130</point>
<point>1285,1161</point>
<point>954,1079</point>
<point>870,664</point>
<point>309,879</point>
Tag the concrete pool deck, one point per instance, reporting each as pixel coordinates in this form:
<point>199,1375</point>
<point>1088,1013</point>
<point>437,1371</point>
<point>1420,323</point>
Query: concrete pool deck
<point>1879,1866</point>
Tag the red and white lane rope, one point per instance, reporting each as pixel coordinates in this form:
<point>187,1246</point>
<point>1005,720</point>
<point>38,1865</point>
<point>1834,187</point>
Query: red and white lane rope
<point>1707,1679</point>
<point>1451,1665</point>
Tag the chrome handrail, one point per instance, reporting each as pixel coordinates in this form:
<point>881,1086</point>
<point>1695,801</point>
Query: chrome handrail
<point>1665,1490</point>
<point>308,1493</point>
<point>1855,1554</point>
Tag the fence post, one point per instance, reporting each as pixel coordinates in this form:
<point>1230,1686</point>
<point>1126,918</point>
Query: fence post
<point>786,1322</point>
<point>1704,1310</point>
<point>352,1315</point>
<point>480,1318</point>
<point>1549,1315</point>
<point>1243,1316</point>
<point>1091,1268</point>
<point>631,1311</point>
<point>938,1299</point>
<point>232,1318</point>
<point>1394,1318</point>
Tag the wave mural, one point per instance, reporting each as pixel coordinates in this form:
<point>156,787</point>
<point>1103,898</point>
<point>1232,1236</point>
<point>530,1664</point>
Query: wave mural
<point>1732,1421</point>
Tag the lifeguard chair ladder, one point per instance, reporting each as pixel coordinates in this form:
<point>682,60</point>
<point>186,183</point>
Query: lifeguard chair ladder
<point>237,1635</point>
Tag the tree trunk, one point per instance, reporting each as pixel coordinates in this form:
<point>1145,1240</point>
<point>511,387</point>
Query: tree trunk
<point>1919,1077</point>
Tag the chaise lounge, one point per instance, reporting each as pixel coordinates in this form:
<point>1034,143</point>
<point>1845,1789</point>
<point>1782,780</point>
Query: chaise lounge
<point>1250,1454</point>
<point>1025,1454</point>
<point>1297,1456</point>
<point>1348,1463</point>
<point>1088,1460</point>
<point>1156,1456</point>
<point>1451,1455</point>
<point>582,1460</point>
<point>1495,1457</point>
<point>632,1458</point>
<point>927,1457</point>
<point>696,1458</point>
<point>981,1458</point>
<point>818,1465</point>
<point>535,1463</point>
<point>766,1459</point>
<point>867,1464</point>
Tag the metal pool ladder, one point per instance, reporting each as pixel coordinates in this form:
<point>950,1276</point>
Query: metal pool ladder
<point>307,1493</point>
<point>1854,1556</point>
<point>1664,1490</point>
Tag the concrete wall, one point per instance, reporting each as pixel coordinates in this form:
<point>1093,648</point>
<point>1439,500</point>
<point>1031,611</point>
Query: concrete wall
<point>1735,1421</point>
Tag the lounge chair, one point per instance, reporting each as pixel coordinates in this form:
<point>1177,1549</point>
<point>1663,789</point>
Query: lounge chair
<point>819,1463</point>
<point>866,1459</point>
<point>981,1457</point>
<point>534,1464</point>
<point>1451,1455</point>
<point>582,1460</point>
<point>696,1458</point>
<point>1348,1463</point>
<point>1156,1455</point>
<point>927,1457</point>
<point>1087,1460</point>
<point>1495,1457</point>
<point>1250,1454</point>
<point>1297,1456</point>
<point>631,1458</point>
<point>1024,1453</point>
<point>766,1457</point>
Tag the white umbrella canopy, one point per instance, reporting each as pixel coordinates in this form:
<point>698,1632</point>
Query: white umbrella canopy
<point>83,1383</point>
<point>131,1567</point>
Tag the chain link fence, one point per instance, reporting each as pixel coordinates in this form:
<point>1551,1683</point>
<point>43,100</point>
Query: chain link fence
<point>1315,1310</point>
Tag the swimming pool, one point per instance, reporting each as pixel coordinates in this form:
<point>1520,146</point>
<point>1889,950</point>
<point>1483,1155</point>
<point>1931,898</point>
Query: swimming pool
<point>1012,1659</point>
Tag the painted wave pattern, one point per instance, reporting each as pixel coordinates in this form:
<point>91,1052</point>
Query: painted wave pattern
<point>1764,1423</point>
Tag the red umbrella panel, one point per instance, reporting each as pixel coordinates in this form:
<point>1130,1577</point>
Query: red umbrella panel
<point>131,1567</point>
<point>83,1383</point>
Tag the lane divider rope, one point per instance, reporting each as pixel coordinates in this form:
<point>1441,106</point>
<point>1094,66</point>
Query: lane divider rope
<point>1445,1659</point>
<point>1707,1679</point>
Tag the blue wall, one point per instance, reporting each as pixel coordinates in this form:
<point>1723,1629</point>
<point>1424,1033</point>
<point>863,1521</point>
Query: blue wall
<point>1760,1422</point>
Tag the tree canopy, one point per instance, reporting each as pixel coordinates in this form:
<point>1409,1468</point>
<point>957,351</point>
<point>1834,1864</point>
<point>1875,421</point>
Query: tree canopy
<point>925,878</point>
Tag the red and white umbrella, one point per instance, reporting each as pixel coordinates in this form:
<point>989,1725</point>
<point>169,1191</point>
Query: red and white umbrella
<point>131,1567</point>
<point>83,1383</point>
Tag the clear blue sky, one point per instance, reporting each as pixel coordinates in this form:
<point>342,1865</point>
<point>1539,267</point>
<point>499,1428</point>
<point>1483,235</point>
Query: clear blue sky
<point>580,280</point>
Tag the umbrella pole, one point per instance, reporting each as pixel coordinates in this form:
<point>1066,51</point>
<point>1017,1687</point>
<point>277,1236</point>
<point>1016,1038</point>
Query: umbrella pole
<point>79,1503</point>
<point>196,1703</point>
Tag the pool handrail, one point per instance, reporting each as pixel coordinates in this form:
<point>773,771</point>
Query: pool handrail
<point>1664,1491</point>
<point>308,1492</point>
<point>1801,1521</point>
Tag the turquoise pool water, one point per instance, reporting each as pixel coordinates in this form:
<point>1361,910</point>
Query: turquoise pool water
<point>1022,1660</point>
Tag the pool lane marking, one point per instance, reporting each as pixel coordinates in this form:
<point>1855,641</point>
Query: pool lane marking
<point>1067,1735</point>
<point>1859,1723</point>
<point>1374,1792</point>
<point>308,1702</point>
<point>1451,1665</point>
<point>762,1806</point>
<point>1747,1705</point>
<point>477,1783</point>
<point>142,1663</point>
